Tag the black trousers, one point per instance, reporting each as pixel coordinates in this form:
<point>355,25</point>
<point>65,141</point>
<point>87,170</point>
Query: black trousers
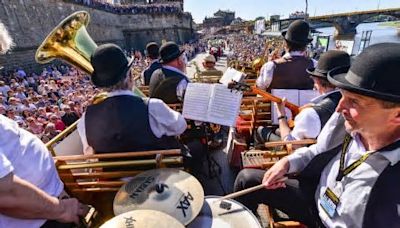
<point>55,224</point>
<point>289,200</point>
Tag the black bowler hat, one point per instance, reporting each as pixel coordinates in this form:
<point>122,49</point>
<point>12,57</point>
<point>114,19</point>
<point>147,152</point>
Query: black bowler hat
<point>169,51</point>
<point>110,65</point>
<point>152,50</point>
<point>328,61</point>
<point>374,73</point>
<point>298,32</point>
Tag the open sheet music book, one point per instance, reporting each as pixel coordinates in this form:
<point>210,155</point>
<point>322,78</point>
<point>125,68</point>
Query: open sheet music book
<point>297,97</point>
<point>213,103</point>
<point>231,75</point>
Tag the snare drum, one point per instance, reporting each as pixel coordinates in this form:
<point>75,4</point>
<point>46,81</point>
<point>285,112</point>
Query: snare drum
<point>231,215</point>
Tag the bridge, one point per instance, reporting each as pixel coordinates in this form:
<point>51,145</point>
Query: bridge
<point>344,23</point>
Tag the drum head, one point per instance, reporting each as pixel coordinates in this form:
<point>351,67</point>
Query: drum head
<point>233,214</point>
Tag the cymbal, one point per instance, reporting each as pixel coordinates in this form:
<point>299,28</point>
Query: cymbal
<point>144,219</point>
<point>171,191</point>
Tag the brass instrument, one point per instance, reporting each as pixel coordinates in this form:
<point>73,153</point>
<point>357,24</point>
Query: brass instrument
<point>71,42</point>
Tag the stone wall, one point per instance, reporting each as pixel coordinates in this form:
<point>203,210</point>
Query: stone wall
<point>29,22</point>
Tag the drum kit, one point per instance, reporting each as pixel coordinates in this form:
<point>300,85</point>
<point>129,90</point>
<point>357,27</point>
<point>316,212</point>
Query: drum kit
<point>173,198</point>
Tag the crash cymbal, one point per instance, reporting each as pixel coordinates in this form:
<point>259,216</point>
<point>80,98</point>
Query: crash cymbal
<point>171,191</point>
<point>143,219</point>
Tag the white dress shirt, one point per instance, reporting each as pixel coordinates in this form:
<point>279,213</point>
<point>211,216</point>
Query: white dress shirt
<point>25,155</point>
<point>267,70</point>
<point>163,120</point>
<point>356,185</point>
<point>180,89</point>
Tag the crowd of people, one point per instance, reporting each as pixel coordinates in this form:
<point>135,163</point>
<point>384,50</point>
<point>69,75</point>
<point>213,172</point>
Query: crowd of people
<point>246,48</point>
<point>47,103</point>
<point>155,8</point>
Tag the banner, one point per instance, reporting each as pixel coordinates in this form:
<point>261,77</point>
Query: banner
<point>259,26</point>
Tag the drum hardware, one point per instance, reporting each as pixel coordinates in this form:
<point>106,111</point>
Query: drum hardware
<point>171,191</point>
<point>231,214</point>
<point>143,218</point>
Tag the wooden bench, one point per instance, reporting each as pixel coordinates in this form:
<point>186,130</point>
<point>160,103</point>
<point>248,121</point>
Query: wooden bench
<point>95,179</point>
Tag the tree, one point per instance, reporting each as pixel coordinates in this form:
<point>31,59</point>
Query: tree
<point>260,18</point>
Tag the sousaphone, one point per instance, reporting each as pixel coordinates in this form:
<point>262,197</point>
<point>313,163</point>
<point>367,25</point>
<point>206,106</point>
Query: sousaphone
<point>70,42</point>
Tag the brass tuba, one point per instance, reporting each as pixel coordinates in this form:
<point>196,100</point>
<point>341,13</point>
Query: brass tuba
<point>71,42</point>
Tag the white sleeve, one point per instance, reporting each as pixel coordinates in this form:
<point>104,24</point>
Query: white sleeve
<point>307,125</point>
<point>82,133</point>
<point>266,75</point>
<point>180,89</point>
<point>331,136</point>
<point>165,121</point>
<point>5,165</point>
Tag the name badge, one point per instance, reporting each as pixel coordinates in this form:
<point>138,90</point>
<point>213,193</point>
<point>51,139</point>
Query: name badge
<point>329,202</point>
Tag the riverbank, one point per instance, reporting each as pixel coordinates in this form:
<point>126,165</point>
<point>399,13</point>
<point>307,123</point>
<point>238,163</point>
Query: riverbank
<point>395,24</point>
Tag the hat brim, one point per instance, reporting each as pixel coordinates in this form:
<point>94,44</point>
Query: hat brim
<point>340,79</point>
<point>106,83</point>
<point>316,73</point>
<point>309,39</point>
<point>171,57</point>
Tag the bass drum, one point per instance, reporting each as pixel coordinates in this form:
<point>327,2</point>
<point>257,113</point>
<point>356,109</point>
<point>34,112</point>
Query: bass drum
<point>229,214</point>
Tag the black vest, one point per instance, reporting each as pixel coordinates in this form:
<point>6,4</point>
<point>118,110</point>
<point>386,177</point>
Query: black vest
<point>149,71</point>
<point>163,85</point>
<point>382,206</point>
<point>327,106</point>
<point>121,124</point>
<point>290,73</point>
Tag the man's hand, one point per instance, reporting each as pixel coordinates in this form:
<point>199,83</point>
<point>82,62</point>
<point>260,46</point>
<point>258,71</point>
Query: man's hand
<point>275,176</point>
<point>70,210</point>
<point>280,108</point>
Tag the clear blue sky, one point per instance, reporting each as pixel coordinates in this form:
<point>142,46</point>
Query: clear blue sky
<point>250,9</point>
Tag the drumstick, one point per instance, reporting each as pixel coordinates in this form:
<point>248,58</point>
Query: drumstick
<point>246,191</point>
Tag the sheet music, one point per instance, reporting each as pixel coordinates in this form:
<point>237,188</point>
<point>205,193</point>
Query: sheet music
<point>292,95</point>
<point>231,75</point>
<point>196,101</point>
<point>213,103</point>
<point>224,105</point>
<point>305,96</point>
<point>297,97</point>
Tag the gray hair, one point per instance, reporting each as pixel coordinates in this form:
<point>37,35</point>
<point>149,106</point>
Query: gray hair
<point>123,84</point>
<point>6,41</point>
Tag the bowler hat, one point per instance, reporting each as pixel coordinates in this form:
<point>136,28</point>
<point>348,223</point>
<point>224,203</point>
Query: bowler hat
<point>169,51</point>
<point>328,61</point>
<point>298,32</point>
<point>110,65</point>
<point>152,50</point>
<point>374,73</point>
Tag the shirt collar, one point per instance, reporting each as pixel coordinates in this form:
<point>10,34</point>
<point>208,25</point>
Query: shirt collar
<point>120,93</point>
<point>392,156</point>
<point>322,96</point>
<point>174,69</point>
<point>294,53</point>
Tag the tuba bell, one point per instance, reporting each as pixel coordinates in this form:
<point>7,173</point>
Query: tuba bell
<point>71,42</point>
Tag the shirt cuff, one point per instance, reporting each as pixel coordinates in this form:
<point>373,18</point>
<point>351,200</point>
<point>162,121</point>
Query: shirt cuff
<point>294,163</point>
<point>5,166</point>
